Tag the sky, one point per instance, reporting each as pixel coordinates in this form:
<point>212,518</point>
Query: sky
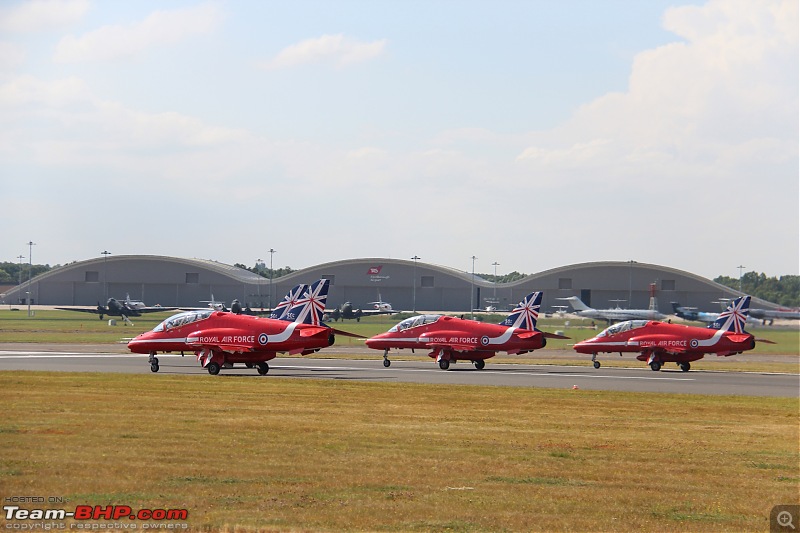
<point>533,134</point>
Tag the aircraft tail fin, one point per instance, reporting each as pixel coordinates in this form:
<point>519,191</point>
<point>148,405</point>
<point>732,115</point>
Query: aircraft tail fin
<point>734,317</point>
<point>576,303</point>
<point>289,301</point>
<point>526,313</point>
<point>310,308</point>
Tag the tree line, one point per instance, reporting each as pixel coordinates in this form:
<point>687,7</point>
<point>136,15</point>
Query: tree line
<point>784,290</point>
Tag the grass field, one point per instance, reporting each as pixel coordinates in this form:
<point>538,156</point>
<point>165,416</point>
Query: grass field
<point>276,454</point>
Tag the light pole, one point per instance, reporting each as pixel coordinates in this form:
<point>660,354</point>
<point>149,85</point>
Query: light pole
<point>414,285</point>
<point>494,295</point>
<point>258,271</point>
<point>630,284</point>
<point>19,275</point>
<point>741,268</point>
<point>105,254</point>
<point>472,291</point>
<point>271,251</point>
<point>31,244</point>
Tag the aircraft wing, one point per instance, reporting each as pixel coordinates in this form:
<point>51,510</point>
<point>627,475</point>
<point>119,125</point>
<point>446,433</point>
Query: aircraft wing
<point>92,310</point>
<point>154,309</point>
<point>225,347</point>
<point>373,312</point>
<point>456,347</point>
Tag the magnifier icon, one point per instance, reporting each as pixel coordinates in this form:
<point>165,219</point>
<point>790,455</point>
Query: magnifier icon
<point>785,519</point>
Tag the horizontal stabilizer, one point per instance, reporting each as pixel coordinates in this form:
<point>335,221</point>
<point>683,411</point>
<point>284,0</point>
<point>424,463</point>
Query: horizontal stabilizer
<point>553,335</point>
<point>310,332</point>
<point>348,334</point>
<point>765,341</point>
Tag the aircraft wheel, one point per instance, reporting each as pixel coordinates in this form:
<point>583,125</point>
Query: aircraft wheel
<point>655,366</point>
<point>263,368</point>
<point>154,367</point>
<point>213,368</point>
<point>444,364</point>
<point>597,364</point>
<point>249,365</point>
<point>685,366</point>
<point>479,364</point>
<point>386,363</point>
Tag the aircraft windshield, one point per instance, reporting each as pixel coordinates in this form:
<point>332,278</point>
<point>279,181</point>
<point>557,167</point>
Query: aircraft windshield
<point>415,321</point>
<point>622,326</point>
<point>181,319</point>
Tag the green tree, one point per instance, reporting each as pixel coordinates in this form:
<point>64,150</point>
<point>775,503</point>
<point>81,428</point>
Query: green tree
<point>784,290</point>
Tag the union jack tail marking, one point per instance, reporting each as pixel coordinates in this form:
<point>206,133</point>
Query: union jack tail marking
<point>289,301</point>
<point>734,317</point>
<point>311,307</point>
<point>526,313</point>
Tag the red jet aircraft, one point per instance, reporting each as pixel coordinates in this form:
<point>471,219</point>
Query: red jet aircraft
<point>220,339</point>
<point>660,342</point>
<point>450,338</point>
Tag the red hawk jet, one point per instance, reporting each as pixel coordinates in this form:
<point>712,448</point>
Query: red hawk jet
<point>660,342</point>
<point>219,339</point>
<point>450,338</point>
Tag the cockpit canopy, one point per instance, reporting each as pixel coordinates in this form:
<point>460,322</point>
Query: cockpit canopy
<point>622,326</point>
<point>181,319</point>
<point>415,321</point>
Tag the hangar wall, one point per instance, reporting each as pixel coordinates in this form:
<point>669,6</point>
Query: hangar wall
<point>407,285</point>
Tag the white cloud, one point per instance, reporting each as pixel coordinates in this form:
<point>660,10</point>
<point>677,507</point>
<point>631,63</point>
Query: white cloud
<point>159,28</point>
<point>338,50</point>
<point>11,56</point>
<point>42,15</point>
<point>691,107</point>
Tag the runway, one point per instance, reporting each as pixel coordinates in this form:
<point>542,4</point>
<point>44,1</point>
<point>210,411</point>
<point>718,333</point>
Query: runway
<point>463,373</point>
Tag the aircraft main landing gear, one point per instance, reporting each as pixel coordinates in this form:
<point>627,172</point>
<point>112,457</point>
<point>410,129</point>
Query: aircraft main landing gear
<point>444,364</point>
<point>685,366</point>
<point>262,368</point>
<point>479,364</point>
<point>213,368</point>
<point>655,366</point>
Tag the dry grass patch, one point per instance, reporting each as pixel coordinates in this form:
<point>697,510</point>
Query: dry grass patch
<point>243,453</point>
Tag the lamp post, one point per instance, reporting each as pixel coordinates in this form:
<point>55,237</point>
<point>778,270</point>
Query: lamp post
<point>19,276</point>
<point>414,285</point>
<point>741,268</point>
<point>31,244</point>
<point>105,254</point>
<point>271,252</point>
<point>494,295</point>
<point>472,291</point>
<point>630,284</point>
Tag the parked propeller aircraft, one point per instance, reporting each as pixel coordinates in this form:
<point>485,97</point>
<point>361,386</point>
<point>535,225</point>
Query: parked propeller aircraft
<point>114,307</point>
<point>220,339</point>
<point>451,339</point>
<point>346,311</point>
<point>611,315</point>
<point>660,342</point>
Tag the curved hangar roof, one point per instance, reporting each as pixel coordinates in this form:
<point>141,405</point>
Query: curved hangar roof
<point>406,284</point>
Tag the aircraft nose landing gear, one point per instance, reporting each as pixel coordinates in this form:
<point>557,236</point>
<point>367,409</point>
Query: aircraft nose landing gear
<point>153,360</point>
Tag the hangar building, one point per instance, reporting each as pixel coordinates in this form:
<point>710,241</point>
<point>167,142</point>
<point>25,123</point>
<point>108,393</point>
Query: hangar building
<point>407,285</point>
